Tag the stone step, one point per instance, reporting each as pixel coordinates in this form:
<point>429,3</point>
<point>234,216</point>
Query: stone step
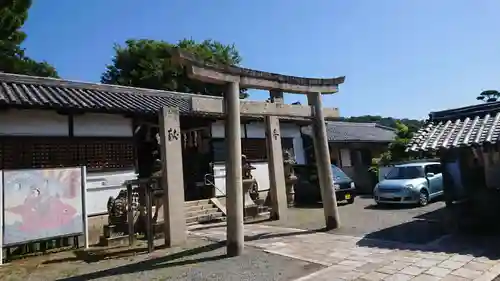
<point>198,207</point>
<point>197,203</point>
<point>194,213</point>
<point>204,218</point>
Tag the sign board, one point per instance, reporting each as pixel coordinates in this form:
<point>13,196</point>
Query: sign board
<point>40,204</point>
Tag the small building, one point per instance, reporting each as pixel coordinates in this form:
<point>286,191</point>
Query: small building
<point>352,147</point>
<point>46,122</point>
<point>467,142</point>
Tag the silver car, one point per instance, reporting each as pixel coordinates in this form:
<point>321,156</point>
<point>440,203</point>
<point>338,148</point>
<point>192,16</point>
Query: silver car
<point>412,183</point>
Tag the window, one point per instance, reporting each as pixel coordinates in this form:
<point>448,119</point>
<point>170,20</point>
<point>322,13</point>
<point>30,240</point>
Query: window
<point>433,168</point>
<point>405,173</point>
<point>97,153</point>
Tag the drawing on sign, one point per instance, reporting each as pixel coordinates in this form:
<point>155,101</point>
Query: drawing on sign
<point>275,134</point>
<point>173,134</point>
<point>41,204</point>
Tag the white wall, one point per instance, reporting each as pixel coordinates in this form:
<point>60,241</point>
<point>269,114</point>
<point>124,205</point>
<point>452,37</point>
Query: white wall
<point>102,125</point>
<point>261,174</point>
<point>49,123</point>
<point>257,130</point>
<point>33,123</point>
<point>100,186</point>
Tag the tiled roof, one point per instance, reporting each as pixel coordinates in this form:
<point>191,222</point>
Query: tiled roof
<point>356,132</point>
<point>35,92</point>
<point>459,127</point>
<point>29,92</point>
<point>456,133</point>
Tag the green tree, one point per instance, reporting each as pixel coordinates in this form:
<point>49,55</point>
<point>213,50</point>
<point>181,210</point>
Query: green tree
<point>489,96</point>
<point>397,149</point>
<point>13,14</point>
<point>412,124</point>
<point>147,64</point>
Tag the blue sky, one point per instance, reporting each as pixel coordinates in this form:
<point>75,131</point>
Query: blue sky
<point>400,58</point>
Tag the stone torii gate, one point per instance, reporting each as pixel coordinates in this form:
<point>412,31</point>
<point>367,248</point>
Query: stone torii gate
<point>232,108</point>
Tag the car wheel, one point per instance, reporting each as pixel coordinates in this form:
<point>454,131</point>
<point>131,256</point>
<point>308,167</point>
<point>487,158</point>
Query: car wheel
<point>423,199</point>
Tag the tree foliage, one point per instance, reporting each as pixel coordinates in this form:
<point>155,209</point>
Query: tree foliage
<point>412,124</point>
<point>147,64</point>
<point>397,149</point>
<point>489,96</point>
<point>13,14</point>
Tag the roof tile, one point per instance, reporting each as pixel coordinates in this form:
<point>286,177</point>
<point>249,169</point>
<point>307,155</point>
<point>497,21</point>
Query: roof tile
<point>65,97</point>
<point>338,131</point>
<point>457,133</point>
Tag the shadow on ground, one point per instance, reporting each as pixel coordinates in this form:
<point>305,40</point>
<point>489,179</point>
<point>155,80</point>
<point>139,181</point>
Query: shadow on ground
<point>172,260</point>
<point>430,233</point>
<point>317,205</point>
<point>391,207</point>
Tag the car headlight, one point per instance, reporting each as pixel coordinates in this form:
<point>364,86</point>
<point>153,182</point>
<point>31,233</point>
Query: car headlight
<point>353,185</point>
<point>409,187</point>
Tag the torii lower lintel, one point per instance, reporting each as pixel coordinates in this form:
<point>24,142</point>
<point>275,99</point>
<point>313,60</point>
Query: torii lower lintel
<point>216,106</point>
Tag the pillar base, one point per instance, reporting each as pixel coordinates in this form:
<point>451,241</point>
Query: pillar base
<point>234,249</point>
<point>332,223</point>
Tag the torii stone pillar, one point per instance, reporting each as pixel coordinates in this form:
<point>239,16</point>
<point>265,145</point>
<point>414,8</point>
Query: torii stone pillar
<point>173,184</point>
<point>236,77</point>
<point>322,155</point>
<point>277,184</point>
<point>234,182</point>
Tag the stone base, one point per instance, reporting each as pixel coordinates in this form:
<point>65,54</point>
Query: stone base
<point>253,212</point>
<point>116,241</point>
<point>111,231</point>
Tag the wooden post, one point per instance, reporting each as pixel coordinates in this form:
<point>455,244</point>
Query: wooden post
<point>130,216</point>
<point>149,212</point>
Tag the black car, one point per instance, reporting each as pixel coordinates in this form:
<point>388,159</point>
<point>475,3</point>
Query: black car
<point>307,188</point>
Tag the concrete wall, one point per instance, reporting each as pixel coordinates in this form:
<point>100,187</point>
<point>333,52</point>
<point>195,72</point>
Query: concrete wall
<point>33,123</point>
<point>102,125</point>
<point>261,174</point>
<point>100,186</point>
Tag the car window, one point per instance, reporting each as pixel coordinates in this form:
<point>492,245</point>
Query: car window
<point>338,174</point>
<point>405,172</point>
<point>433,168</point>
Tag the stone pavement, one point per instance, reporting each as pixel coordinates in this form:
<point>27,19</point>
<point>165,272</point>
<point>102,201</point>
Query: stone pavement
<point>356,258</point>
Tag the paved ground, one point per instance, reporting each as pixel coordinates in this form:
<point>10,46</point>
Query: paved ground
<point>199,259</point>
<point>357,258</point>
<point>373,244</point>
<point>363,218</point>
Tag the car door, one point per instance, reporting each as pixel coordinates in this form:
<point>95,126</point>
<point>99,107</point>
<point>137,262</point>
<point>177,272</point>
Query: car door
<point>436,181</point>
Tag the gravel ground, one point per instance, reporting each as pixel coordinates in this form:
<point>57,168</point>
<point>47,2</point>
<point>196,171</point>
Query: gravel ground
<point>408,224</point>
<point>199,259</point>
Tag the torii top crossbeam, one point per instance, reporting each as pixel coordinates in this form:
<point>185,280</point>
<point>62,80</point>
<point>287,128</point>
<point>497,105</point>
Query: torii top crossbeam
<point>254,79</point>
